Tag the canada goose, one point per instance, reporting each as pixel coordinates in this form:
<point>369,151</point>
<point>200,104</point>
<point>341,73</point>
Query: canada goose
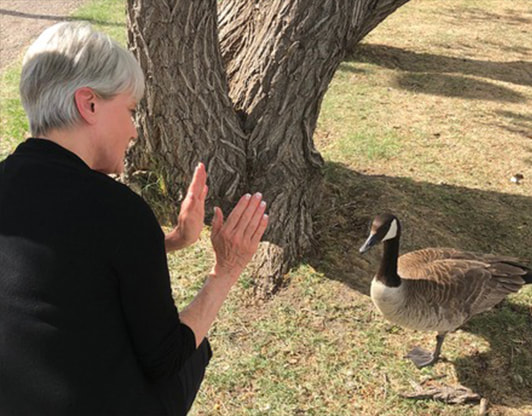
<point>437,289</point>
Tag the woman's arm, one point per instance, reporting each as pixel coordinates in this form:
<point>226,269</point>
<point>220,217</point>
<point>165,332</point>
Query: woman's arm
<point>234,243</point>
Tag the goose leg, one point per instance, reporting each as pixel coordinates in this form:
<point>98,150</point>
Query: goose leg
<point>422,358</point>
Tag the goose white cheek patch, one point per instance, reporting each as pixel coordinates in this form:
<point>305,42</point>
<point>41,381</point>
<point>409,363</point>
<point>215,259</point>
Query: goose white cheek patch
<point>392,232</point>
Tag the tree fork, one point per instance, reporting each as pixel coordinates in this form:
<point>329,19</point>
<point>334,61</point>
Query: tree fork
<point>280,57</point>
<point>285,66</point>
<point>253,115</point>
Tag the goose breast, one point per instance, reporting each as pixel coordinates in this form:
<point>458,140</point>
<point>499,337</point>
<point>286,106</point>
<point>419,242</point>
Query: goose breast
<point>412,308</point>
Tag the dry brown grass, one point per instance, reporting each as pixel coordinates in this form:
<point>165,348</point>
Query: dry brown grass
<point>430,118</point>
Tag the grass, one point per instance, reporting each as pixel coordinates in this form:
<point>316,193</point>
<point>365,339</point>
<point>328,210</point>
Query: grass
<point>105,15</point>
<point>13,122</point>
<point>429,118</point>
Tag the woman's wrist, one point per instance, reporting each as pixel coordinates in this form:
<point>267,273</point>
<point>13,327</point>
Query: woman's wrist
<point>220,283</point>
<point>228,276</point>
<point>174,241</point>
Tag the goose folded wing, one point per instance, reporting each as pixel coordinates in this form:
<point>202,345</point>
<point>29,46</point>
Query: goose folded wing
<point>422,263</point>
<point>498,281</point>
<point>445,281</point>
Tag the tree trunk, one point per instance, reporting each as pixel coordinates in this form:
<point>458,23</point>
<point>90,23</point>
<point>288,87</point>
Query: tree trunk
<point>186,115</point>
<point>252,117</point>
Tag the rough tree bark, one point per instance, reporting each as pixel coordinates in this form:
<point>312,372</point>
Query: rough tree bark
<point>186,115</point>
<point>245,95</point>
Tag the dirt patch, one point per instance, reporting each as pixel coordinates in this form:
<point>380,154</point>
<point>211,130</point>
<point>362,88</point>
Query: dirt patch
<point>21,21</point>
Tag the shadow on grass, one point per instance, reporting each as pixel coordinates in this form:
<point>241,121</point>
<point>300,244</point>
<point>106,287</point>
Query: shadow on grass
<point>516,123</point>
<point>475,15</point>
<point>436,215</point>
<point>432,215</point>
<point>55,18</point>
<point>431,73</point>
<point>456,86</point>
<point>504,372</point>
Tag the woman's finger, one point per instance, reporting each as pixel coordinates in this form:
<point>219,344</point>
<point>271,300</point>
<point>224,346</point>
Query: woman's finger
<point>199,180</point>
<point>254,221</point>
<point>236,214</point>
<point>217,221</point>
<point>248,213</point>
<point>204,193</point>
<point>259,232</point>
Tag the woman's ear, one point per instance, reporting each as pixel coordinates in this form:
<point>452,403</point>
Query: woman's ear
<point>86,104</point>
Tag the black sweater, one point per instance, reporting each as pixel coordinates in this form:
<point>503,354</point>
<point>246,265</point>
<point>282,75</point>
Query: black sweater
<point>88,325</point>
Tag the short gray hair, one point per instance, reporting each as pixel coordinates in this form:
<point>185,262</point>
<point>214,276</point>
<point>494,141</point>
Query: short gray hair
<point>68,56</point>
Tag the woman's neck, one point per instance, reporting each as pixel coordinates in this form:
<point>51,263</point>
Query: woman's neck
<point>75,140</point>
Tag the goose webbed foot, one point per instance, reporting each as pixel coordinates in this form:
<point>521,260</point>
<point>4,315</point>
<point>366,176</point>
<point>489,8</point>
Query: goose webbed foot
<point>422,358</point>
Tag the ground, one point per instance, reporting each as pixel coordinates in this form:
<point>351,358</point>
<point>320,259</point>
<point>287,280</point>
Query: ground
<point>21,21</point>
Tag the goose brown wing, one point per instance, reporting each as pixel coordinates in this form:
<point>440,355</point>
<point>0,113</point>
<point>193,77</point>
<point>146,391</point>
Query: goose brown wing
<point>448,283</point>
<point>413,265</point>
<point>468,284</point>
<point>505,279</point>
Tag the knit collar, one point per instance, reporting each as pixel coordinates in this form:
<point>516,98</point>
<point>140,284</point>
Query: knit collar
<point>50,150</point>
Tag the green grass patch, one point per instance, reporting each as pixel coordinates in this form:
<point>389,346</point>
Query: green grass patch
<point>109,16</point>
<point>369,145</point>
<point>13,122</point>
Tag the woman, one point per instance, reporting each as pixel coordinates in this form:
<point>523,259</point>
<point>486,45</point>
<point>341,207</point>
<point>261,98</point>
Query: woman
<point>88,325</point>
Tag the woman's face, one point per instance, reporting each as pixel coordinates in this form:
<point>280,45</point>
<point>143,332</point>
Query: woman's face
<point>115,130</point>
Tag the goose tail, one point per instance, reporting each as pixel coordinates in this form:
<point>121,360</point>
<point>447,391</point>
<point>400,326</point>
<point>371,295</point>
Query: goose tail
<point>527,275</point>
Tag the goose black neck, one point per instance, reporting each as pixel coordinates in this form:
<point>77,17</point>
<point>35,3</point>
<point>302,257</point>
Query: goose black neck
<point>387,273</point>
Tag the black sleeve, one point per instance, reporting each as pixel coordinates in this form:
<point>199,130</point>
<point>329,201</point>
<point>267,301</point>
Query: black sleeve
<point>161,342</point>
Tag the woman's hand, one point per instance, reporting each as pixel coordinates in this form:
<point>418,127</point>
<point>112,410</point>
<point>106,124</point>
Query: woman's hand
<point>191,215</point>
<point>236,240</point>
<point>234,243</point>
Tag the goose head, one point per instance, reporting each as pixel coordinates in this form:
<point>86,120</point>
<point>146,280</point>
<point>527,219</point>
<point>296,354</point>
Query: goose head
<point>383,228</point>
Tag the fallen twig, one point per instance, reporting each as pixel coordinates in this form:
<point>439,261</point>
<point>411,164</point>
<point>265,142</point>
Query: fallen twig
<point>443,392</point>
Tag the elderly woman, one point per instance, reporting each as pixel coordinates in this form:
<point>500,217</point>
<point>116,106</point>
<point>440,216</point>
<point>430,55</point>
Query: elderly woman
<point>88,325</point>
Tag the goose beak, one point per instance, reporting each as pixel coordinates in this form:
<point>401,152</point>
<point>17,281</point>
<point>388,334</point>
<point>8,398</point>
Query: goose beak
<point>370,242</point>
